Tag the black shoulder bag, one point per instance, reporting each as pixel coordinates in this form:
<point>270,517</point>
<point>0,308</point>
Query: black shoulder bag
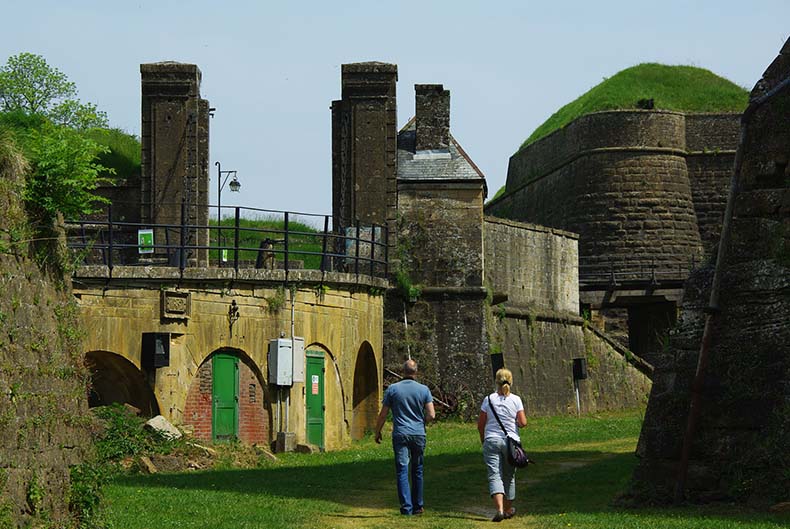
<point>516,455</point>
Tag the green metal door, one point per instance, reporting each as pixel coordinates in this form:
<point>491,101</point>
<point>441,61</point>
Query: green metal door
<point>314,380</point>
<point>225,393</point>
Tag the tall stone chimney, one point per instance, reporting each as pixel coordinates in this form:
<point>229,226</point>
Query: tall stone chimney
<point>364,146</point>
<point>174,152</point>
<point>432,120</point>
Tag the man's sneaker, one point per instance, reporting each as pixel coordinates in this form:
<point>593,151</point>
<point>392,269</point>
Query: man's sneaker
<point>419,511</point>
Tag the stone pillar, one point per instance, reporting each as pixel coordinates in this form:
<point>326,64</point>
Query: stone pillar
<point>175,153</point>
<point>432,117</point>
<point>364,143</point>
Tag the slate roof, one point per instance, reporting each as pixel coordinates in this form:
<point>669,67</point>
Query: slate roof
<point>434,166</point>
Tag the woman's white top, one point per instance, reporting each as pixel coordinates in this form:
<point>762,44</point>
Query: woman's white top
<point>507,408</point>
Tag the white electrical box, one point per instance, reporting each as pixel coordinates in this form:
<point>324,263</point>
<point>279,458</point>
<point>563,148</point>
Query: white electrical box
<point>286,361</point>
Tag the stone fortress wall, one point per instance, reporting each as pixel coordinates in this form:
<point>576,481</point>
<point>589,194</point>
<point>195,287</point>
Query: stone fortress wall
<point>538,329</point>
<point>740,448</point>
<point>638,185</point>
<point>645,190</point>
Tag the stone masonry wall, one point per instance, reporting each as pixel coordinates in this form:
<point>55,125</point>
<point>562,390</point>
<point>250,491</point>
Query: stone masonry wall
<point>626,201</point>
<point>540,353</point>
<point>740,450</point>
<point>535,266</point>
<point>440,233</point>
<point>44,423</point>
<point>538,329</point>
<point>622,180</point>
<point>441,250</point>
<point>711,140</point>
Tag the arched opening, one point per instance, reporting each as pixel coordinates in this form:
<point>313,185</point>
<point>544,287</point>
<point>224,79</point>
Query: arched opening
<point>114,379</point>
<point>365,399</point>
<point>228,400</point>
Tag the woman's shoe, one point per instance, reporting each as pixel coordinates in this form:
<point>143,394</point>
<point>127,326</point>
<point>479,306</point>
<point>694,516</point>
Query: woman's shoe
<point>498,517</point>
<point>510,513</point>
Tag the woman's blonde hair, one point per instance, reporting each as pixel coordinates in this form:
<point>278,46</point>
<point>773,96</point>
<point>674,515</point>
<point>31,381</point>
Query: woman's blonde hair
<point>504,379</point>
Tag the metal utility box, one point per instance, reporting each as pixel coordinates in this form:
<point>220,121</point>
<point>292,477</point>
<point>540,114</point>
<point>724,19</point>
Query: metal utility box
<point>298,359</point>
<point>155,350</point>
<point>286,361</point>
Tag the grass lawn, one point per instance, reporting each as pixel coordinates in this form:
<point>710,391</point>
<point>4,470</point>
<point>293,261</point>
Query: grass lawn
<point>582,465</point>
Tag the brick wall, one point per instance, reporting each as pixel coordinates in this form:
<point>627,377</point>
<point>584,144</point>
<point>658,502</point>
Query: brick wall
<point>254,416</point>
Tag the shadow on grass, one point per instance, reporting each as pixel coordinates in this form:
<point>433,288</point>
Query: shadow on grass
<point>455,485</point>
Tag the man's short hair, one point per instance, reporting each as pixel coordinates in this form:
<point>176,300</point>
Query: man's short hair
<point>410,367</point>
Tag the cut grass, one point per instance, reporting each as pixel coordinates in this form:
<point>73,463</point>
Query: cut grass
<point>583,464</point>
<point>680,88</point>
<point>305,242</point>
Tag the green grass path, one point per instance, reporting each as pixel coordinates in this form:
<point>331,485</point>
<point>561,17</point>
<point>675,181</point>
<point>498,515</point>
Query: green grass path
<point>582,465</point>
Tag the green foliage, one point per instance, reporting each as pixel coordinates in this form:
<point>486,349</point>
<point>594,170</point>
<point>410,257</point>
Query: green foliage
<point>35,495</point>
<point>86,493</point>
<point>122,152</point>
<point>679,88</point>
<point>30,85</point>
<point>408,291</point>
<point>276,302</point>
<point>64,173</point>
<point>124,435</point>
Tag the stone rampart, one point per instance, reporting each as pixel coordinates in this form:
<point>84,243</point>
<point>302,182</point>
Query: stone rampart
<point>739,449</point>
<point>535,266</point>
<point>645,186</point>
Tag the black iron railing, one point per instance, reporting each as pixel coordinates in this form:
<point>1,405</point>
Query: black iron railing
<point>615,272</point>
<point>250,238</point>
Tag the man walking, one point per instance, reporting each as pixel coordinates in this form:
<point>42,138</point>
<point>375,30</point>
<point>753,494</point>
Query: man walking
<point>412,406</point>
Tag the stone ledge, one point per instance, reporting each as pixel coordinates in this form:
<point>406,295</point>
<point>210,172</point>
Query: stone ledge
<point>223,275</point>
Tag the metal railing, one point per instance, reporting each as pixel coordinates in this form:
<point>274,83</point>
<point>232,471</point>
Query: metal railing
<point>250,238</point>
<point>614,272</point>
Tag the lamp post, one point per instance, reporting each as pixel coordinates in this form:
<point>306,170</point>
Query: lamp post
<point>234,185</point>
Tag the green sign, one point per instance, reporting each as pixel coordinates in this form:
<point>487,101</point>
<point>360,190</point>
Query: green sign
<point>145,241</point>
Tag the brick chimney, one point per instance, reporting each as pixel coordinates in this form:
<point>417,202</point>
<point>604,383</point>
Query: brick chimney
<point>432,119</point>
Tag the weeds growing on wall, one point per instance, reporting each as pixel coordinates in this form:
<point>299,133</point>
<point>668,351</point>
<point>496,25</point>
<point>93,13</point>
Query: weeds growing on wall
<point>276,302</point>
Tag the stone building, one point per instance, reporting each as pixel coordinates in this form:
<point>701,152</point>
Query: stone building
<point>211,324</point>
<point>452,264</point>
<point>741,444</point>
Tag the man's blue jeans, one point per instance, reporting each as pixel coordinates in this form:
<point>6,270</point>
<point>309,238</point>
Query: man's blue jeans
<point>409,448</point>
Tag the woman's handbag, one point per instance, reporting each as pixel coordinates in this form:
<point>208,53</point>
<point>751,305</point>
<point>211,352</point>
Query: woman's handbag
<point>516,455</point>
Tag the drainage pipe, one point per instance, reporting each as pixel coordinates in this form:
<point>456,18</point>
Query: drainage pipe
<point>713,308</point>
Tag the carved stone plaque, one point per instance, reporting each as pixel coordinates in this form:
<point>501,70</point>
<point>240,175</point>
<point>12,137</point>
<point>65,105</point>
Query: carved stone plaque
<point>176,305</point>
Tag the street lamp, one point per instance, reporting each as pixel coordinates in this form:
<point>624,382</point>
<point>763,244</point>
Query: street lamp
<point>234,185</point>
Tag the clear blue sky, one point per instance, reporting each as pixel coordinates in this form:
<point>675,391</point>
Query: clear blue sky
<point>272,68</point>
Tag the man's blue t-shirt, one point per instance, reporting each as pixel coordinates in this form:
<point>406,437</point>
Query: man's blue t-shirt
<point>407,400</point>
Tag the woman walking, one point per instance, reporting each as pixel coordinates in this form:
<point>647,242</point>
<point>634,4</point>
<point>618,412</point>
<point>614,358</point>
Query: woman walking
<point>501,474</point>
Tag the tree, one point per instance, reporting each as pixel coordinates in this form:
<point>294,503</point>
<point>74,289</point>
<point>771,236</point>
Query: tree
<point>65,172</point>
<point>30,85</point>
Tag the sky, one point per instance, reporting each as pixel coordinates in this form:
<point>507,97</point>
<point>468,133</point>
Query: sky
<point>272,69</point>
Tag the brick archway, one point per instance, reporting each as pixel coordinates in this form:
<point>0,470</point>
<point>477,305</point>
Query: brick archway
<point>254,405</point>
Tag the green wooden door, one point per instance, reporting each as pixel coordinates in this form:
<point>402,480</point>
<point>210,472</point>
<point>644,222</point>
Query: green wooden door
<point>314,380</point>
<point>225,393</point>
